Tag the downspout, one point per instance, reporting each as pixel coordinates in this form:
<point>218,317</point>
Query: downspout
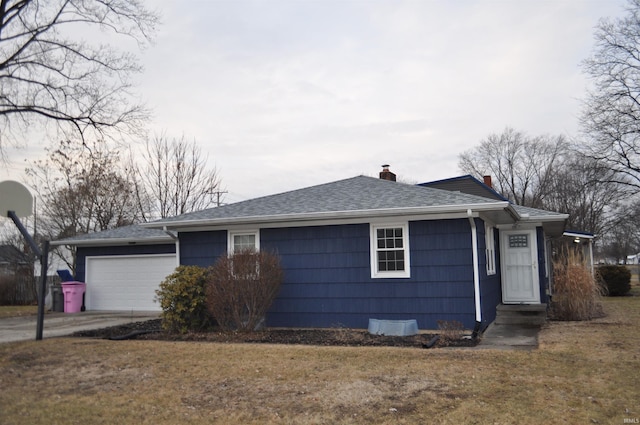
<point>476,273</point>
<point>175,238</point>
<point>591,257</point>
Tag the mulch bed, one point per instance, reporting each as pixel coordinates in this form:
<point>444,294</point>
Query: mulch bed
<point>152,330</point>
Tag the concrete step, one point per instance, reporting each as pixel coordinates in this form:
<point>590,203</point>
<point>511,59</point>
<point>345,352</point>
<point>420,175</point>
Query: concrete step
<point>521,314</point>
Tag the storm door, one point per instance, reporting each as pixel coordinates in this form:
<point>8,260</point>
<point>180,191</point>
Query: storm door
<point>520,282</point>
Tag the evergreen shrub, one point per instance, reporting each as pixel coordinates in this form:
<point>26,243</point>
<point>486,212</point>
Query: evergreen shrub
<point>616,279</point>
<point>183,301</point>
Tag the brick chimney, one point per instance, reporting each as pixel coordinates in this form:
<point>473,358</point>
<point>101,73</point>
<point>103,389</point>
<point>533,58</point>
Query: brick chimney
<point>487,181</point>
<point>385,174</point>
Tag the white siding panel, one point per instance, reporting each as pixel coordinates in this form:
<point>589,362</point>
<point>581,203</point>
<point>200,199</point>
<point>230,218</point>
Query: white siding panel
<point>126,282</point>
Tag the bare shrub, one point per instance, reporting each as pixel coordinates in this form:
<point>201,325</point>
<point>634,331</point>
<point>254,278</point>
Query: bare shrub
<point>449,331</point>
<point>242,287</point>
<point>576,292</point>
<point>17,290</point>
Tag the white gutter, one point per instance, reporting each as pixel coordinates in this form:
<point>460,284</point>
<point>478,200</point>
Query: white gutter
<point>327,215</point>
<point>171,234</point>
<point>113,241</point>
<point>476,271</point>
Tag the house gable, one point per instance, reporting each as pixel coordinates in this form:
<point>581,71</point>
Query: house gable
<point>465,184</point>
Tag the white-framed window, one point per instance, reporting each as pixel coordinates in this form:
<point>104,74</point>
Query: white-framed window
<point>490,248</point>
<point>390,250</point>
<point>243,240</point>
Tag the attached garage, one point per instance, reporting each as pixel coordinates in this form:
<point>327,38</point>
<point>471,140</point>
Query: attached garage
<point>126,282</point>
<point>123,267</point>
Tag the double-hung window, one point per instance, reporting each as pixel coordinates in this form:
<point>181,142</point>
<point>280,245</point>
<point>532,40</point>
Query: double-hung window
<point>389,250</point>
<point>243,241</point>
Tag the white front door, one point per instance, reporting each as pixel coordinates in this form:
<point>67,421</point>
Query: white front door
<point>520,282</point>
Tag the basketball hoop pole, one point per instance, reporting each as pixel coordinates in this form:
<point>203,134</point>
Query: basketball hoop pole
<point>43,256</point>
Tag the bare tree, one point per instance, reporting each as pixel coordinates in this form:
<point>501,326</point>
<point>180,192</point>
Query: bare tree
<point>521,166</point>
<point>623,238</point>
<point>51,74</point>
<point>611,115</point>
<point>582,188</point>
<point>82,190</point>
<point>173,177</point>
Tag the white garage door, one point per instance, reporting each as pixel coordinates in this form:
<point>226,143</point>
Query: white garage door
<point>126,282</point>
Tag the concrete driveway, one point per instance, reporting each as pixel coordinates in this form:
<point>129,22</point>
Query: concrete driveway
<point>63,324</point>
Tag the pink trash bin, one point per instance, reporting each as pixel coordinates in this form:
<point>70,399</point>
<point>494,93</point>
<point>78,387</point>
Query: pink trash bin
<point>73,293</point>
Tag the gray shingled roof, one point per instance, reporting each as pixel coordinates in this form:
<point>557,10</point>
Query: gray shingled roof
<point>471,185</point>
<point>357,194</point>
<point>466,184</point>
<point>132,233</point>
<point>536,213</point>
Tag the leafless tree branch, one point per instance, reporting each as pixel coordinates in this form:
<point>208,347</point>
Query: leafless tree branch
<point>49,77</point>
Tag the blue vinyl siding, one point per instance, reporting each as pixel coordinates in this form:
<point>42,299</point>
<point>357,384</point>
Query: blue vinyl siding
<point>490,285</point>
<point>84,252</point>
<point>328,278</point>
<point>202,248</point>
<point>542,261</point>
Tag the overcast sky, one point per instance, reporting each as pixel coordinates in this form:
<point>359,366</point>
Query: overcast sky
<point>287,94</point>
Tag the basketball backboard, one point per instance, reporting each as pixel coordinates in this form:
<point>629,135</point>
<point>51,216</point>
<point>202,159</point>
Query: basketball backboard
<point>15,197</point>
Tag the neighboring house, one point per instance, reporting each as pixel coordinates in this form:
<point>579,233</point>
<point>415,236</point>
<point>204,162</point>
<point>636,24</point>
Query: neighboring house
<point>16,276</point>
<point>123,267</point>
<point>364,248</point>
<point>13,261</point>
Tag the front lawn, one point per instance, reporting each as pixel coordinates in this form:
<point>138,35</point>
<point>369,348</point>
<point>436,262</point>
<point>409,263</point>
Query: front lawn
<point>583,372</point>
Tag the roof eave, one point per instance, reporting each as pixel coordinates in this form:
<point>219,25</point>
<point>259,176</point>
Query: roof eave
<point>553,225</point>
<point>330,215</point>
<point>114,241</point>
<point>544,218</point>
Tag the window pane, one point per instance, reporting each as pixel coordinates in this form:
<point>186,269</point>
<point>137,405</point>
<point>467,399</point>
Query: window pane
<point>390,249</point>
<point>518,241</point>
<point>243,242</point>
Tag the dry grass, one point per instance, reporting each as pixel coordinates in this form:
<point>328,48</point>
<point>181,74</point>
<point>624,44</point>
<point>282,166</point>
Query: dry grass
<point>583,372</point>
<point>449,331</point>
<point>18,310</point>
<point>576,293</point>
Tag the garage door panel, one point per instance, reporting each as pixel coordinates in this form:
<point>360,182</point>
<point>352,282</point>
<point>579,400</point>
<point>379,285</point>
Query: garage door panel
<point>126,282</point>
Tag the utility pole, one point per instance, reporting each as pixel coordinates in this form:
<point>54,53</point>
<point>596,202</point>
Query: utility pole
<point>218,193</point>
